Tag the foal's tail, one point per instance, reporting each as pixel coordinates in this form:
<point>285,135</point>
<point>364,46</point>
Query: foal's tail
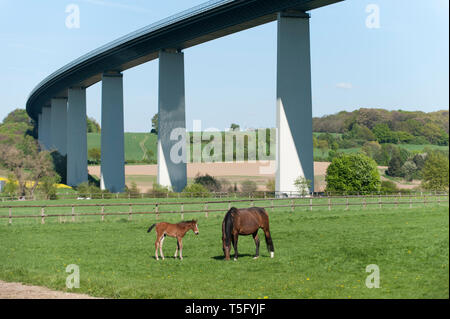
<point>151,227</point>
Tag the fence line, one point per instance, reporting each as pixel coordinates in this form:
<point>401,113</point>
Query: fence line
<point>392,200</point>
<point>256,194</point>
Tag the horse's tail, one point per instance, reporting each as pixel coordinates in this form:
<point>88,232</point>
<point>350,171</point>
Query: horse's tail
<point>151,227</point>
<point>229,225</point>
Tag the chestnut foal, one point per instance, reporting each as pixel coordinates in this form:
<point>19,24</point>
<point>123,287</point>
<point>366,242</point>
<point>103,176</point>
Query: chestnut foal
<point>172,230</point>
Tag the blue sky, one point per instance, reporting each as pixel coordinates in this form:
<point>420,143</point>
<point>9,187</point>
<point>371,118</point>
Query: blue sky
<point>401,65</point>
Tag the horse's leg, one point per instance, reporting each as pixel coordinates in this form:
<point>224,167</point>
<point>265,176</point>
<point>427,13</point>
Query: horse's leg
<point>180,244</point>
<point>269,242</point>
<point>157,246</point>
<point>255,237</point>
<point>176,251</point>
<point>235,245</point>
<point>161,246</point>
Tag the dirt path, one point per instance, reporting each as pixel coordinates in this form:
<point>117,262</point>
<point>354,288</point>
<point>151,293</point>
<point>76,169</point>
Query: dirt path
<point>14,290</point>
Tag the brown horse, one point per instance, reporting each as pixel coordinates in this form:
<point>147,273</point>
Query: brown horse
<point>245,221</point>
<point>172,230</point>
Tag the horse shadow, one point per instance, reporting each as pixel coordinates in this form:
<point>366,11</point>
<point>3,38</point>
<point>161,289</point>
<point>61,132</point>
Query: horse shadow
<point>222,257</point>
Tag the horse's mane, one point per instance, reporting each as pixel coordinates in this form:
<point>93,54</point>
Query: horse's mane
<point>229,224</point>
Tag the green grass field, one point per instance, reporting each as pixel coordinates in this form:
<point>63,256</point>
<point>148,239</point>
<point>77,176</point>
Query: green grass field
<point>319,254</point>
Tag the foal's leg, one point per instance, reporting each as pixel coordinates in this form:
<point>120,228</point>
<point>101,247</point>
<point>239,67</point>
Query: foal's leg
<point>161,246</point>
<point>180,246</point>
<point>176,251</point>
<point>255,237</point>
<point>158,238</point>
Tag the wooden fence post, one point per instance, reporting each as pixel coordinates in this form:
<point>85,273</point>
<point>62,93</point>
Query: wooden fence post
<point>346,206</point>
<point>73,213</point>
<point>272,206</point>
<point>329,203</point>
<point>206,210</point>
<point>156,211</point>
<point>310,204</point>
<point>10,215</point>
<point>103,213</point>
<point>410,201</point>
<point>364,202</point>
<point>292,205</point>
<point>130,212</point>
<point>43,215</point>
<point>182,212</point>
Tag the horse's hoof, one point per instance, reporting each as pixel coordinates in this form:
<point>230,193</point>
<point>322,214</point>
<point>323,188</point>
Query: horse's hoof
<point>235,259</point>
<point>271,254</point>
<point>256,257</point>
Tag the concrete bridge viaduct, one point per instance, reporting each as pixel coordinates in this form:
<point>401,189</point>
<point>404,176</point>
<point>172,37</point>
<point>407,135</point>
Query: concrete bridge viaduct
<point>58,103</point>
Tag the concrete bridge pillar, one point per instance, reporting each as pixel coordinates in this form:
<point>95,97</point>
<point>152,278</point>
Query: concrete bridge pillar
<point>46,127</point>
<point>171,121</point>
<point>77,171</point>
<point>58,126</point>
<point>294,104</point>
<point>112,134</point>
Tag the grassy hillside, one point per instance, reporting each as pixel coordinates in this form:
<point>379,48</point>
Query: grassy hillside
<point>137,143</point>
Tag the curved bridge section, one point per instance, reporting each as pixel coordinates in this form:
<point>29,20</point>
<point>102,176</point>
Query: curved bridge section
<point>58,103</point>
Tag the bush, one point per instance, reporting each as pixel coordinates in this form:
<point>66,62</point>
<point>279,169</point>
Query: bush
<point>248,186</point>
<point>436,172</point>
<point>302,185</point>
<point>270,185</point>
<point>196,190</point>
<point>11,186</point>
<point>209,182</point>
<point>48,187</point>
<point>352,173</point>
<point>225,186</point>
<point>92,191</point>
<point>95,155</point>
<point>133,190</point>
<point>158,191</point>
<point>388,187</point>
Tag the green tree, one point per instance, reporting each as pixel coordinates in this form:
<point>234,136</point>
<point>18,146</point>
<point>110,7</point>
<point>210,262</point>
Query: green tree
<point>395,166</point>
<point>48,186</point>
<point>95,154</point>
<point>302,185</point>
<point>323,146</point>
<point>436,172</point>
<point>351,173</point>
<point>384,134</point>
<point>155,124</point>
<point>235,127</point>
<point>92,125</point>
